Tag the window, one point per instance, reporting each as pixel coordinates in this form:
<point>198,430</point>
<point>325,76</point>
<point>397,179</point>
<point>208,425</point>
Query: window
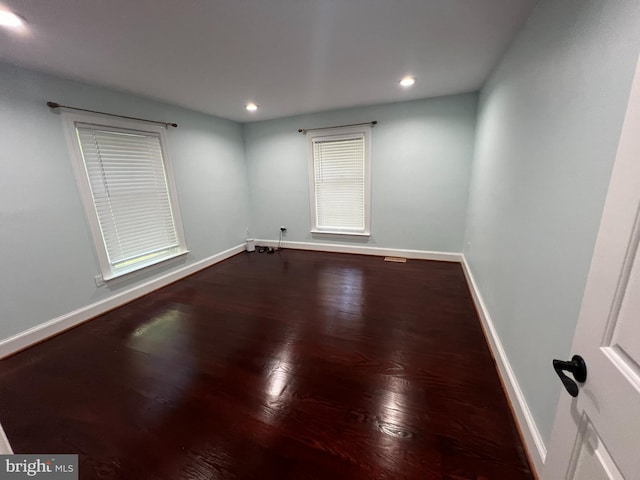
<point>127,187</point>
<point>340,180</point>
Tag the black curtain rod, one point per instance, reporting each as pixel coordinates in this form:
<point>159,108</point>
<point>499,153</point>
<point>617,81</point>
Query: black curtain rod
<point>57,105</point>
<point>305,130</point>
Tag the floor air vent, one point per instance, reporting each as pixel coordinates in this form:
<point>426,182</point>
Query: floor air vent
<point>395,259</point>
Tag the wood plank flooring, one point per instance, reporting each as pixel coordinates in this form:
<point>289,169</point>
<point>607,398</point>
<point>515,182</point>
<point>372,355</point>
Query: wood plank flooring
<point>296,365</point>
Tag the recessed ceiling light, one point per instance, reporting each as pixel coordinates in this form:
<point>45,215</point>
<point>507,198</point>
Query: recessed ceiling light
<point>252,107</point>
<point>9,19</point>
<point>407,81</point>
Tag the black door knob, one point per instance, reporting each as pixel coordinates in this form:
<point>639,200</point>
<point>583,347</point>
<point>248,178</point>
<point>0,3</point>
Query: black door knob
<point>577,367</point>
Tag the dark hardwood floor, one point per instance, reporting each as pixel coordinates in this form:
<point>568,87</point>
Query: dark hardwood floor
<point>296,365</point>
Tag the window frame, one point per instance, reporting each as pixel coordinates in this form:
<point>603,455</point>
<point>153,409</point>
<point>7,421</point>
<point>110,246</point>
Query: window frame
<point>70,120</point>
<point>340,133</point>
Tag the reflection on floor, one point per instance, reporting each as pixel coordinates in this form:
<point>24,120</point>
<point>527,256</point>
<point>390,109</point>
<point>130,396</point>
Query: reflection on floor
<point>299,365</point>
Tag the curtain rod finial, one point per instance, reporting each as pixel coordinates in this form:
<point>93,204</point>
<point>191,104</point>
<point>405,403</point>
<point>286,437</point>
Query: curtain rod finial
<point>53,105</point>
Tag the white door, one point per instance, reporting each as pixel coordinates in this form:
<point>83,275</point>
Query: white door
<point>597,434</point>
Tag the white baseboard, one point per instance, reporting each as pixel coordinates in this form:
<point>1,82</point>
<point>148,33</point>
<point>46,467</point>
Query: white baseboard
<point>362,250</point>
<point>531,436</point>
<point>41,332</point>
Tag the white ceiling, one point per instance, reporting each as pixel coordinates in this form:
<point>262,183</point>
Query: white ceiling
<point>288,56</point>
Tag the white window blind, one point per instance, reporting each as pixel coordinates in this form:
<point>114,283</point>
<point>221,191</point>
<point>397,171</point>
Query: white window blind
<point>131,196</point>
<point>339,174</point>
<point>340,183</point>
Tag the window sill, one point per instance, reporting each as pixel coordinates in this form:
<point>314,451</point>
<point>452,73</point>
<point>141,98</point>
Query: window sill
<point>342,233</point>
<point>112,276</point>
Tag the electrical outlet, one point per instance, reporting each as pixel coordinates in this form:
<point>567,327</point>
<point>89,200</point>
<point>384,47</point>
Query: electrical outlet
<point>99,280</point>
<point>283,229</point>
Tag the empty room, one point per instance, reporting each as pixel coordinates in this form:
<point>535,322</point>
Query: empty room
<point>320,239</point>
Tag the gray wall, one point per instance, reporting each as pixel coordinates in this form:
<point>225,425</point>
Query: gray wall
<point>421,160</point>
<point>549,122</point>
<point>47,254</point>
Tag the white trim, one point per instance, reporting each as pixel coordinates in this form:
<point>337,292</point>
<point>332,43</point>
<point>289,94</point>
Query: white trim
<point>360,250</point>
<point>70,121</point>
<point>340,133</point>
<point>342,233</point>
<point>5,447</point>
<point>532,439</point>
<point>41,332</point>
<point>139,267</point>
